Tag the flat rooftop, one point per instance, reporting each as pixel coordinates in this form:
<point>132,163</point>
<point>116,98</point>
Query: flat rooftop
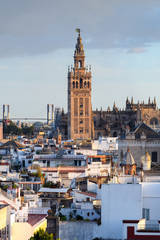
<point>53,190</point>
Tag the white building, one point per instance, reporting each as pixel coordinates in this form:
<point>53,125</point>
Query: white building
<point>106,144</point>
<point>55,160</point>
<point>98,169</point>
<point>128,202</point>
<point>4,167</point>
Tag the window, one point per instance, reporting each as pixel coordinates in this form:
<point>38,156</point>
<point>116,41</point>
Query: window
<point>81,83</point>
<point>153,121</point>
<point>154,156</point>
<point>114,134</point>
<point>7,231</point>
<point>88,84</point>
<point>81,102</point>
<point>76,84</point>
<point>81,121</point>
<point>85,85</point>
<point>81,113</point>
<point>23,163</point>
<point>146,213</point>
<point>73,84</point>
<point>81,130</point>
<point>44,161</point>
<point>80,64</point>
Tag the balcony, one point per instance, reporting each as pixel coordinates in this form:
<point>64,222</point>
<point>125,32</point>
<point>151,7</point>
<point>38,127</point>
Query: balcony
<point>145,225</point>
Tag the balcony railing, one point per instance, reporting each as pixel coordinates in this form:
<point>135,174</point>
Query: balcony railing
<point>149,227</point>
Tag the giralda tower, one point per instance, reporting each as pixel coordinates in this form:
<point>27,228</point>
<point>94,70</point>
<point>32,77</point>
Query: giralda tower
<point>79,95</point>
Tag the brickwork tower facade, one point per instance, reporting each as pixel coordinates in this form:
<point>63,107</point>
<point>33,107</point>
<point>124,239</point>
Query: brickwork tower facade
<point>79,95</point>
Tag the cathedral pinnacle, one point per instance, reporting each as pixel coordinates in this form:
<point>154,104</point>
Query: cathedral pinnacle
<point>132,100</point>
<point>149,101</point>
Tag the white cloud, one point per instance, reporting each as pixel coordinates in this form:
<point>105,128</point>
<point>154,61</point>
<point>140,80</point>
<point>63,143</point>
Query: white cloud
<point>137,50</point>
<point>3,67</point>
<point>37,27</point>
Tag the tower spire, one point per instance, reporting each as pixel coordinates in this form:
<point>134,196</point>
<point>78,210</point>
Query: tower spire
<point>79,56</point>
<point>79,46</point>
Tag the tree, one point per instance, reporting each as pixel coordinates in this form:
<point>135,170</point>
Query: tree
<point>28,130</point>
<point>42,235</point>
<point>11,129</point>
<point>39,173</point>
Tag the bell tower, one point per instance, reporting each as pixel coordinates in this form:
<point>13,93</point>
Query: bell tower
<point>79,95</point>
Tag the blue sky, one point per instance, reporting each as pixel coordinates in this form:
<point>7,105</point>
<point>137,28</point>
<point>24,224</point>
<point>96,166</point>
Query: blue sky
<point>37,39</point>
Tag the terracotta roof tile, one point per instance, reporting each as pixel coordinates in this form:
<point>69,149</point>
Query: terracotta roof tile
<point>35,218</point>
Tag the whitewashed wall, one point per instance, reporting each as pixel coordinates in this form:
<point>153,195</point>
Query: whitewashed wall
<point>151,199</point>
<point>119,202</point>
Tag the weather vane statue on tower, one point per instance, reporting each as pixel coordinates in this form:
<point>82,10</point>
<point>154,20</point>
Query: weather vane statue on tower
<point>78,30</point>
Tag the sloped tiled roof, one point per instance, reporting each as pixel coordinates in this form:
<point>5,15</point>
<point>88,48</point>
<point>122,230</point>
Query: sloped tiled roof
<point>35,218</point>
<point>88,194</point>
<point>148,131</point>
<point>12,144</point>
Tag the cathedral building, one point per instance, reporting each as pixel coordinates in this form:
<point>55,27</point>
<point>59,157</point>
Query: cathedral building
<point>83,122</point>
<point>79,95</point>
<point>142,140</point>
<point>115,122</point>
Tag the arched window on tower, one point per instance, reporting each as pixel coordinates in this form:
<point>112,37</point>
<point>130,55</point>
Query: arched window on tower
<point>80,64</point>
<point>88,84</point>
<point>85,85</point>
<point>76,84</point>
<point>73,84</point>
<point>81,83</point>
